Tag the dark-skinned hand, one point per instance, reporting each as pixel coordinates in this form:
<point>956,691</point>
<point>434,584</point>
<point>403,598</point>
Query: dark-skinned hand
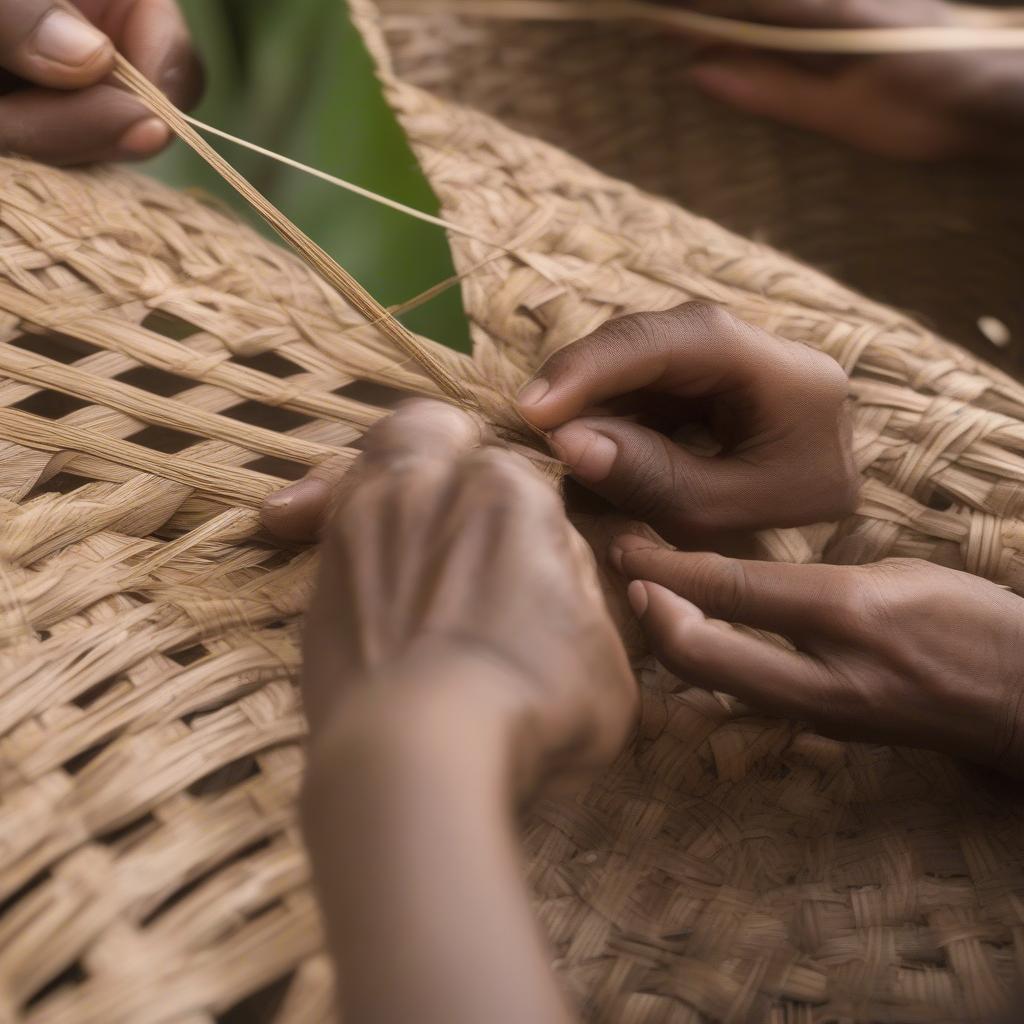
<point>898,652</point>
<point>778,410</point>
<point>56,101</point>
<point>925,106</point>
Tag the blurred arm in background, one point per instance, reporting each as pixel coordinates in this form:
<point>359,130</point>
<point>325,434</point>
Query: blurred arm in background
<point>56,102</point>
<point>914,107</point>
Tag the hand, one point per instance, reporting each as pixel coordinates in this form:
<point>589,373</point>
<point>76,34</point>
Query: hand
<point>900,652</point>
<point>55,102</point>
<point>451,578</point>
<point>778,408</point>
<point>913,106</point>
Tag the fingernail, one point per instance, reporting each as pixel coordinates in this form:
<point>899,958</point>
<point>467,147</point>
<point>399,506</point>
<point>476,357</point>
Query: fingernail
<point>296,512</point>
<point>587,453</point>
<point>65,39</point>
<point>533,391</point>
<point>145,137</point>
<point>637,594</point>
<point>302,492</point>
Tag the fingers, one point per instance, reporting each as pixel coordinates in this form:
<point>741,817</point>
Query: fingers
<point>649,477</point>
<point>72,118</point>
<point>296,512</point>
<point>822,14</point>
<point>848,105</point>
<point>45,43</point>
<point>772,87</point>
<point>418,430</point>
<point>98,123</point>
<point>779,412</point>
<point>421,429</point>
<point>790,599</point>
<point>154,36</point>
<point>694,350</point>
<point>715,656</point>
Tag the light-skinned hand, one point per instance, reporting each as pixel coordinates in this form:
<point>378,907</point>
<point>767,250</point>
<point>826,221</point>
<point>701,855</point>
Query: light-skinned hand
<point>451,578</point>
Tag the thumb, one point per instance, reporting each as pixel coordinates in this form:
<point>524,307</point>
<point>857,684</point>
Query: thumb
<point>296,512</point>
<point>47,43</point>
<point>649,477</point>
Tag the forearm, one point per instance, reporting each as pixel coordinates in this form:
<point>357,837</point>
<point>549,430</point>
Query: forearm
<point>410,823</point>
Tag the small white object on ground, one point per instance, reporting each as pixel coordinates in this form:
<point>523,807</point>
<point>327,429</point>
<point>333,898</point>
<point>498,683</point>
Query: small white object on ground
<point>995,330</point>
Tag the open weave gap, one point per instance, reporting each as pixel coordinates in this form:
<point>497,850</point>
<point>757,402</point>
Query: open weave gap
<point>727,868</point>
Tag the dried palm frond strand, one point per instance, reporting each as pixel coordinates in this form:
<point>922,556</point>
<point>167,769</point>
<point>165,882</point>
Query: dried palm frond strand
<point>348,186</point>
<point>320,261</point>
<point>984,30</point>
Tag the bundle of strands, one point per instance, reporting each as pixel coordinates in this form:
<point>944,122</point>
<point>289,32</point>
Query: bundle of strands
<point>164,368</point>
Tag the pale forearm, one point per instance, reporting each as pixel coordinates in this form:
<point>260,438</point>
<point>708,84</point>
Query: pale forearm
<point>410,822</point>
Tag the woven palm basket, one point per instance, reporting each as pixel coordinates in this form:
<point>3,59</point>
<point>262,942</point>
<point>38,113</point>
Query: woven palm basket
<point>164,368</point>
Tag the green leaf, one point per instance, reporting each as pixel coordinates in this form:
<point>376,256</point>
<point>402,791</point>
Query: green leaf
<point>295,78</point>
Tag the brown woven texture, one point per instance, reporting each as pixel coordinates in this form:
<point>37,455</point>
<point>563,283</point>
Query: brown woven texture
<point>163,368</point>
<point>941,241</point>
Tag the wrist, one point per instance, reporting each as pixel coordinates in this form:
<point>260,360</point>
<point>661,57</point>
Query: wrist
<point>429,713</point>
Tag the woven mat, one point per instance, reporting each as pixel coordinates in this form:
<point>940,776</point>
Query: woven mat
<point>162,368</point>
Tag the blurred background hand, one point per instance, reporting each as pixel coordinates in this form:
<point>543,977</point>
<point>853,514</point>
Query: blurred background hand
<point>913,106</point>
<point>56,102</point>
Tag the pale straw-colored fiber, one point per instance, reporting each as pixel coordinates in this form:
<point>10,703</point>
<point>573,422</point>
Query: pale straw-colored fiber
<point>164,368</point>
<point>989,29</point>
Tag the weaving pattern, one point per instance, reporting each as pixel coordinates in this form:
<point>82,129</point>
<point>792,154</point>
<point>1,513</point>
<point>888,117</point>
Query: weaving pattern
<point>163,368</point>
<point>618,96</point>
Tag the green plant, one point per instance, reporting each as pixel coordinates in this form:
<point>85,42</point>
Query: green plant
<point>295,78</point>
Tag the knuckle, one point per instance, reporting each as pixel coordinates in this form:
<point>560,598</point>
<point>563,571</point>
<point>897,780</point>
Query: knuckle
<point>840,494</point>
<point>822,385</point>
<point>850,601</point>
<point>586,358</point>
<point>870,598</point>
<point>700,515</point>
<point>718,585</point>
<point>650,486</point>
<point>702,511</point>
<point>709,317</point>
<point>636,333</point>
<point>829,382</point>
<point>419,413</point>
